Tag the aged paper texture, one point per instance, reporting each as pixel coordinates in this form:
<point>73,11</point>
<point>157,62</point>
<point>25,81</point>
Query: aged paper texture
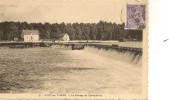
<point>73,49</point>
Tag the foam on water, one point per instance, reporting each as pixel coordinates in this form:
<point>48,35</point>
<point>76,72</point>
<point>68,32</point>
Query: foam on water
<point>127,56</point>
<point>61,46</point>
<point>123,56</point>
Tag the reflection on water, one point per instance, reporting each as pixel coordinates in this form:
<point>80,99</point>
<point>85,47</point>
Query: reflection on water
<point>62,70</point>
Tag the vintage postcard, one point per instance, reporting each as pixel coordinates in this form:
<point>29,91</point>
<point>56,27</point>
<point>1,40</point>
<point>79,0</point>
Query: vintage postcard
<point>73,49</point>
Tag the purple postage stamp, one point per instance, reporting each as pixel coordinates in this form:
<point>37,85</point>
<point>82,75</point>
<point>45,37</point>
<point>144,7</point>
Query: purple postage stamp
<point>135,18</point>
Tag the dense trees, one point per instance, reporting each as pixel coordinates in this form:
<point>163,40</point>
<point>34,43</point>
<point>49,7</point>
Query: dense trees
<point>77,31</point>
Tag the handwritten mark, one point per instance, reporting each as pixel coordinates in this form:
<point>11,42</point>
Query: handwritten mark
<point>165,40</point>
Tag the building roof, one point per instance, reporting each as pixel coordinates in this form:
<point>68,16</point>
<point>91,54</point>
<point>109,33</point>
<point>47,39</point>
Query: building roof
<point>30,32</point>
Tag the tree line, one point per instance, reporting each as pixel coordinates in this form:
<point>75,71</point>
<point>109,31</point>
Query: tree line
<point>77,31</point>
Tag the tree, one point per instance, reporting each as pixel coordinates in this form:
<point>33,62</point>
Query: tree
<point>54,34</point>
<point>78,35</point>
<point>83,31</point>
<point>12,30</point>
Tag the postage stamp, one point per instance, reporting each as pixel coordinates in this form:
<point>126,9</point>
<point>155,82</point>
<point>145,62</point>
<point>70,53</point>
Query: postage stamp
<point>136,16</point>
<point>73,49</point>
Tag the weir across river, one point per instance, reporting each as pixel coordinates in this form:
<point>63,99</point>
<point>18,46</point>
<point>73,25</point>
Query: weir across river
<point>77,45</point>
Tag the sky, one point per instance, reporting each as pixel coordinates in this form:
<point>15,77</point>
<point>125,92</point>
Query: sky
<point>68,11</point>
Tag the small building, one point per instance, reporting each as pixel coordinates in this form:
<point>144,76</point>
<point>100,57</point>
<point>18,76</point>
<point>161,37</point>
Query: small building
<point>16,39</point>
<point>30,35</point>
<point>63,37</point>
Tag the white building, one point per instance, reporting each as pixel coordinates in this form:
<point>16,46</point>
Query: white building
<point>64,37</point>
<point>30,35</point>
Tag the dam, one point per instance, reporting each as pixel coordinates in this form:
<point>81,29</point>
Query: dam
<point>130,52</point>
<point>123,51</point>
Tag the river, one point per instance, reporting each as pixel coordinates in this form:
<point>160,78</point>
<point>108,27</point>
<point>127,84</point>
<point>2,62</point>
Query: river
<point>62,70</point>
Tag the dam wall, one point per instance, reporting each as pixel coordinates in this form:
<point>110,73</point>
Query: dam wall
<point>128,56</point>
<point>114,52</point>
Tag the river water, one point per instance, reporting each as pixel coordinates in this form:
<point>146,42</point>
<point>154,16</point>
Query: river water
<point>62,70</point>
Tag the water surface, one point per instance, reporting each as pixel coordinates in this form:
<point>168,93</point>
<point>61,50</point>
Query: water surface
<point>61,70</point>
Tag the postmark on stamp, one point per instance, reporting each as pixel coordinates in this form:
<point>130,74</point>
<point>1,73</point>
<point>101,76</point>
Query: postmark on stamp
<point>135,18</point>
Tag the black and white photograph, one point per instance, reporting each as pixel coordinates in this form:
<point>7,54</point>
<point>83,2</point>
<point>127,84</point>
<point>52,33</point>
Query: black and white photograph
<point>80,49</point>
